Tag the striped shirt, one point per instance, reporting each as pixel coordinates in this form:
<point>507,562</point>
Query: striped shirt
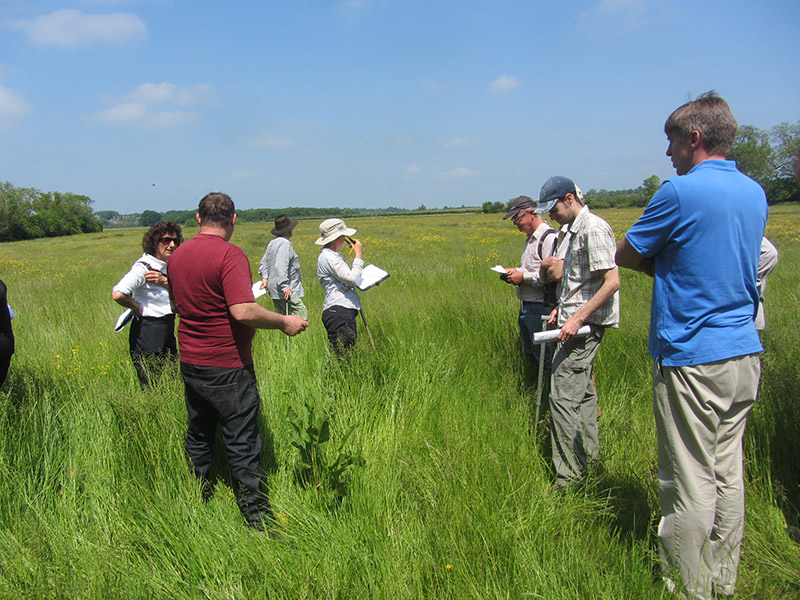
<point>532,288</point>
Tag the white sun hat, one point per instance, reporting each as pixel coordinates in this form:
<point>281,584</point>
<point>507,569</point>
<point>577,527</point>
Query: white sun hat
<point>330,229</point>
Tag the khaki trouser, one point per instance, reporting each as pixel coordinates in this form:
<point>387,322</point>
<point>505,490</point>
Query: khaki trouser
<point>700,414</point>
<point>296,307</point>
<point>573,407</point>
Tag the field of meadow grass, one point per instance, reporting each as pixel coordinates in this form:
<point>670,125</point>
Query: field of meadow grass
<point>452,499</point>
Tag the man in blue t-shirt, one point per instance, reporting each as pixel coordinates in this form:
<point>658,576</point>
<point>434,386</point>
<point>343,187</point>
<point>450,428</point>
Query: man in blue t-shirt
<point>700,239</point>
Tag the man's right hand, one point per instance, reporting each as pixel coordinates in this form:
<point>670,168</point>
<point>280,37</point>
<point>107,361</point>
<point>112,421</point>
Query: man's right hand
<point>293,325</point>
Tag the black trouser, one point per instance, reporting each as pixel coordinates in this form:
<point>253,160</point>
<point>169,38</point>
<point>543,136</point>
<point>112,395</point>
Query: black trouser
<point>152,343</point>
<point>228,397</point>
<point>340,323</point>
<point>5,362</point>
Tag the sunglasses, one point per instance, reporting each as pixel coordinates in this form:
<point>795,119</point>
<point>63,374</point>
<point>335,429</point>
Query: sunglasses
<point>516,218</point>
<point>166,240</point>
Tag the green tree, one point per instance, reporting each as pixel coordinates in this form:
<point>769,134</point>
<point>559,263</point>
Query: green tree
<point>27,213</point>
<point>766,156</point>
<point>149,218</point>
<point>651,185</point>
<point>753,153</point>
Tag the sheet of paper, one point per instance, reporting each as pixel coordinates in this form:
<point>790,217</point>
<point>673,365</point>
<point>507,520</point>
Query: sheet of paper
<point>371,275</point>
<point>257,291</point>
<point>499,269</point>
<point>551,334</point>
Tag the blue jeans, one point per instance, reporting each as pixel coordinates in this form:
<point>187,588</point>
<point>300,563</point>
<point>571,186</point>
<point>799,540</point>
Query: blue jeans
<point>530,322</point>
<point>228,397</point>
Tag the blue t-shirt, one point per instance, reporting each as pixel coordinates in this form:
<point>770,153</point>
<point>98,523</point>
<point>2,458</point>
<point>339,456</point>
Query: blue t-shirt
<point>704,231</point>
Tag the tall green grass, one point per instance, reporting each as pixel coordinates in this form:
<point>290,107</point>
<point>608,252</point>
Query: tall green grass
<point>454,499</point>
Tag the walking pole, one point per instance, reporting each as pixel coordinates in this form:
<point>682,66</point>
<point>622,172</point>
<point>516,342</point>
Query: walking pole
<point>287,314</point>
<point>369,333</point>
<point>540,378</point>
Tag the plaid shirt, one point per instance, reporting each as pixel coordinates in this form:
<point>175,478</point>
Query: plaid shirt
<point>589,252</point>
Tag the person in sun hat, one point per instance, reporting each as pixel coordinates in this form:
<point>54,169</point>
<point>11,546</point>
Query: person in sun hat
<point>537,298</point>
<point>341,304</point>
<point>700,239</point>
<point>280,270</point>
<point>589,295</point>
<point>143,290</point>
<point>210,284</point>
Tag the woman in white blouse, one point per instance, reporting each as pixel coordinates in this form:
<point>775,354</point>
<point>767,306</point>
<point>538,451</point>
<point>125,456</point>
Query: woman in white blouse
<point>341,305</point>
<point>144,291</point>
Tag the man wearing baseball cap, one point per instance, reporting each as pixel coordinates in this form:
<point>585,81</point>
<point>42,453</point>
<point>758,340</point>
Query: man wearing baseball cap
<point>537,298</point>
<point>589,296</point>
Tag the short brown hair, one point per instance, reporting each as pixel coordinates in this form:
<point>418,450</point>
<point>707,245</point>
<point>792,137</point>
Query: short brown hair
<point>711,116</point>
<point>156,232</point>
<point>216,208</point>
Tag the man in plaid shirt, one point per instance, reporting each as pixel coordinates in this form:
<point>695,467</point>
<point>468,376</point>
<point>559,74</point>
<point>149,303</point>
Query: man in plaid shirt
<point>589,296</point>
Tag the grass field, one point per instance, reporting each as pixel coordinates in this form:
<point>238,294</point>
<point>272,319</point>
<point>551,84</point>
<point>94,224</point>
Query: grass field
<point>453,498</point>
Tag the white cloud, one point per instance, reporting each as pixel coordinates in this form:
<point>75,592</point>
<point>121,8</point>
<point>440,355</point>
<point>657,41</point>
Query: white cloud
<point>153,93</point>
<point>412,170</point>
<point>170,118</point>
<point>137,106</point>
<point>12,106</point>
<point>271,141</point>
<point>504,84</point>
<point>458,173</point>
<point>136,112</point>
<point>355,10</point>
<point>198,94</point>
<point>615,15</point>
<point>458,143</point>
<point>72,28</point>
<point>121,113</point>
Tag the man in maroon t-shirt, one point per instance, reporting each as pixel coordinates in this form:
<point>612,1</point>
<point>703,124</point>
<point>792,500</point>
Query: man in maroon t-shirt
<point>210,287</point>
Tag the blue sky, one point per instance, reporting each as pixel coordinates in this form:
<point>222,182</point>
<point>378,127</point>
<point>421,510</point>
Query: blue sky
<point>149,104</point>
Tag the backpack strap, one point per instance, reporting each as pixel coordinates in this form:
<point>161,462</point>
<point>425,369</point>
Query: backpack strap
<point>546,235</point>
<point>549,295</point>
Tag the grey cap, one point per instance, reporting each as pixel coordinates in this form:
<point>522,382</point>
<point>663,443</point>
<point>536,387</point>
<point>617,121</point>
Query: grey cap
<point>553,189</point>
<point>519,203</point>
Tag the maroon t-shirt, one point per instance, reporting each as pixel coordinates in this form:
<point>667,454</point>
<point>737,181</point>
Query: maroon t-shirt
<point>207,275</point>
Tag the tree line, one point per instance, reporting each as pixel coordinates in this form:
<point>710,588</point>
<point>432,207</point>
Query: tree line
<point>27,213</point>
<point>186,218</point>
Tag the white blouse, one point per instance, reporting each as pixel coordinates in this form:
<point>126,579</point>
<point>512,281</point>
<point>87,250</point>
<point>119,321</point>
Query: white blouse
<point>153,298</point>
<point>338,280</point>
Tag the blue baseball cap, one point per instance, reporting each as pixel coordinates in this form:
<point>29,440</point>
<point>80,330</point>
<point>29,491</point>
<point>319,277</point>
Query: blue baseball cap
<point>553,189</point>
